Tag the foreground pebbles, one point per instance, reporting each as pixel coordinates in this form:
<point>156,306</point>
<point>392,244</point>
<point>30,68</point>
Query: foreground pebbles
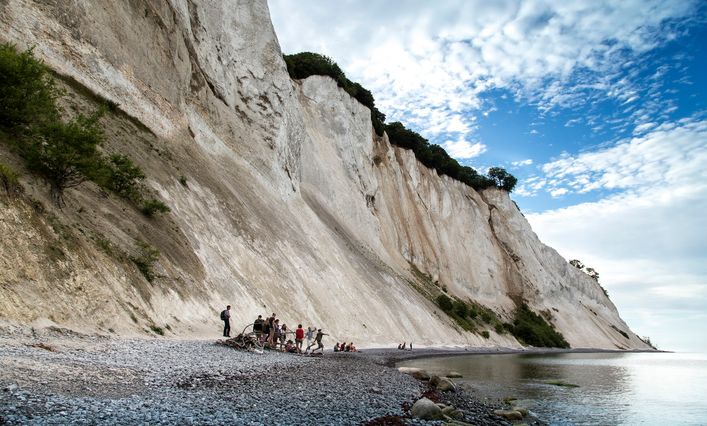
<point>88,380</point>
<point>55,376</point>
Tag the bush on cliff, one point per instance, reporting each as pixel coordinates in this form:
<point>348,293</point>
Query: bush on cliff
<point>435,157</point>
<point>63,153</point>
<point>532,329</point>
<point>9,181</point>
<point>304,64</point>
<point>445,303</point>
<point>27,92</point>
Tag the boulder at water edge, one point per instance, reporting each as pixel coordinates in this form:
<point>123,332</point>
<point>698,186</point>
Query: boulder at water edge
<point>509,414</point>
<point>425,409</point>
<point>417,373</point>
<point>443,384</point>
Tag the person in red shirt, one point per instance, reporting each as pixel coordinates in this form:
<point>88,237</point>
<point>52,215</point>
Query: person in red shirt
<point>299,337</point>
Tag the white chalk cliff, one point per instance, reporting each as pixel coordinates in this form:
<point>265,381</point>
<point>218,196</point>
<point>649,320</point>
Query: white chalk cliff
<point>292,205</point>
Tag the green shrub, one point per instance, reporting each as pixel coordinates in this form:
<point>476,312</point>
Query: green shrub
<point>473,312</point>
<point>532,329</point>
<point>499,328</point>
<point>9,180</point>
<point>435,157</point>
<point>486,316</point>
<point>445,303</point>
<point>183,181</point>
<point>151,207</point>
<point>502,178</point>
<point>460,308</point>
<point>120,175</point>
<point>27,92</point>
<point>64,154</point>
<point>145,258</point>
<point>157,330</point>
<point>304,64</point>
<point>486,334</point>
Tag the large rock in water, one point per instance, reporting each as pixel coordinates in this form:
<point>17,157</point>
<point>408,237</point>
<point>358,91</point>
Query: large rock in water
<point>289,192</point>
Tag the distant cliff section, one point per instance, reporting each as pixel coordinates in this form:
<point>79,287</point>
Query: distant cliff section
<point>282,199</point>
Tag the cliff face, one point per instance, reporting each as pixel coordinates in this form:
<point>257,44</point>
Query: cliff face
<point>292,204</point>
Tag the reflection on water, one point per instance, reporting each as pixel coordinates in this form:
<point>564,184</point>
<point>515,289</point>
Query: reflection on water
<point>614,388</point>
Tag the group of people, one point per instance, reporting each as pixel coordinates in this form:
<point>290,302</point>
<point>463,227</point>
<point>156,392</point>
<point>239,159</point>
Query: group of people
<point>403,346</point>
<point>344,347</point>
<point>275,336</point>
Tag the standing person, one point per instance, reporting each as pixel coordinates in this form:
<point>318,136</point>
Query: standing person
<point>258,326</point>
<point>310,336</point>
<point>299,337</point>
<point>283,334</point>
<point>318,341</point>
<point>274,334</point>
<point>226,318</point>
<point>265,332</point>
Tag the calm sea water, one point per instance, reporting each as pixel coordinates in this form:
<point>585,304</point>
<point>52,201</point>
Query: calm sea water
<point>613,389</point>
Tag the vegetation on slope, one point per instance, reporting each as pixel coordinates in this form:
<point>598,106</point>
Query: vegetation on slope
<point>591,272</point>
<point>63,153</point>
<point>302,65</point>
<point>305,64</point>
<point>532,329</point>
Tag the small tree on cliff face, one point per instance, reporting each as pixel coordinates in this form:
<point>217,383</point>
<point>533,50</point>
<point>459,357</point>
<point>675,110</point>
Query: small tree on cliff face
<point>27,93</point>
<point>64,153</point>
<point>577,263</point>
<point>593,274</point>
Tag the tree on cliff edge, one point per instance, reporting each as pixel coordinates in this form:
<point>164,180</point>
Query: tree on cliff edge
<point>502,178</point>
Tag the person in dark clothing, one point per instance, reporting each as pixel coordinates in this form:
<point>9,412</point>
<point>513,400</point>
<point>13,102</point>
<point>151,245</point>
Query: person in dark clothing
<point>318,341</point>
<point>226,318</point>
<point>266,331</point>
<point>258,326</point>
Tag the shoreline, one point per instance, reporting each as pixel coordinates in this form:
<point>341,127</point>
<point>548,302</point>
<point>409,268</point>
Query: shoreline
<point>394,356</point>
<point>59,376</point>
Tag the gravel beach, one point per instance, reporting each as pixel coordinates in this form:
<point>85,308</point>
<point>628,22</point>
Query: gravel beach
<point>55,376</point>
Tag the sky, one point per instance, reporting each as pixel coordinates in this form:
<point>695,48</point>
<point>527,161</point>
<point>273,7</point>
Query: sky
<point>597,107</point>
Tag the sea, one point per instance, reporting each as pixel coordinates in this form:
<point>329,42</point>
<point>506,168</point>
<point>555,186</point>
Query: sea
<point>588,388</point>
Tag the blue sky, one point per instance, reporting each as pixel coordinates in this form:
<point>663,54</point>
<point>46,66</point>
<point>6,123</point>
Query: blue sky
<point>598,108</point>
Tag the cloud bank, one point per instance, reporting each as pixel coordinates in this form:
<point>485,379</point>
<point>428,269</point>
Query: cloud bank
<point>430,63</point>
<point>649,239</point>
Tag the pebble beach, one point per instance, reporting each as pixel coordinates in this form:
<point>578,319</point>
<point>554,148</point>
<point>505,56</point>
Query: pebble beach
<point>56,376</point>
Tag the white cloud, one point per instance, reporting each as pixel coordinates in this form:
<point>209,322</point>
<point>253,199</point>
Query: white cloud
<point>642,128</point>
<point>649,240</point>
<point>558,192</point>
<point>461,148</point>
<point>442,56</point>
<point>519,163</point>
<point>672,154</point>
